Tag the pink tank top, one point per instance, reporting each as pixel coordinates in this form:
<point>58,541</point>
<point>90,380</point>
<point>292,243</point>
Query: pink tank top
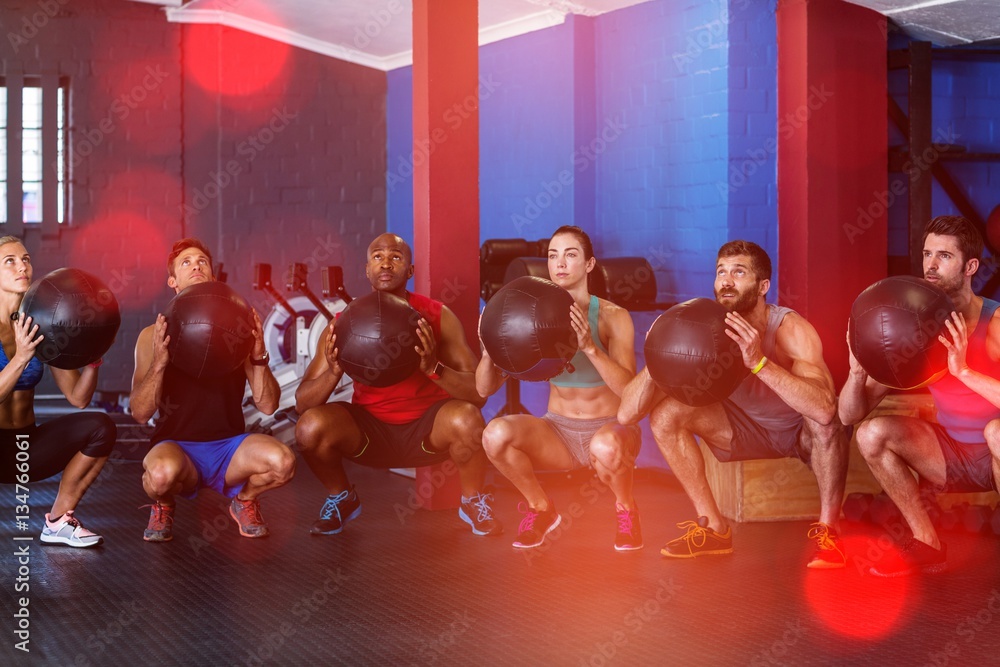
<point>962,412</point>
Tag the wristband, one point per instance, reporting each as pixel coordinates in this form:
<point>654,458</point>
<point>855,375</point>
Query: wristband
<point>436,373</point>
<point>97,363</point>
<point>760,365</point>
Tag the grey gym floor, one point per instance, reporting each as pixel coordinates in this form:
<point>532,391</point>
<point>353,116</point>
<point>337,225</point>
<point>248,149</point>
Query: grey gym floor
<point>401,588</point>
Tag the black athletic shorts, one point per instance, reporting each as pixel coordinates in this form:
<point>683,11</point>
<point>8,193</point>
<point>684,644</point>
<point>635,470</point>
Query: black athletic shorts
<point>968,465</point>
<point>752,441</point>
<point>395,445</point>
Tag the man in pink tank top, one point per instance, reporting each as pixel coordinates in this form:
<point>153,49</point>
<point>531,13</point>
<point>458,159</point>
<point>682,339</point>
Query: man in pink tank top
<point>961,451</point>
<point>786,407</point>
<point>430,417</point>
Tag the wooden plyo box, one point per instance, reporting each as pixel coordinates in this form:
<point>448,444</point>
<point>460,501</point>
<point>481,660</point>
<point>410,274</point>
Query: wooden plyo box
<point>785,489</point>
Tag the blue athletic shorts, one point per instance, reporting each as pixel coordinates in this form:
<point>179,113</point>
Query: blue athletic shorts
<point>211,460</point>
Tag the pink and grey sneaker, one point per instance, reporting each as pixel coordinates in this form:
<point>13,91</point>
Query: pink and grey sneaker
<point>69,531</point>
<point>246,514</point>
<point>629,535</point>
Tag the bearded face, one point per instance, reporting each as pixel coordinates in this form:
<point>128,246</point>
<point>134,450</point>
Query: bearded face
<point>736,299</point>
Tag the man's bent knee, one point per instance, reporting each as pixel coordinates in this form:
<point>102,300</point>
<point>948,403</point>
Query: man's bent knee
<point>871,437</point>
<point>992,435</point>
<point>309,429</point>
<point>162,476</point>
<point>668,415</point>
<point>825,436</point>
<point>283,463</point>
<point>464,417</point>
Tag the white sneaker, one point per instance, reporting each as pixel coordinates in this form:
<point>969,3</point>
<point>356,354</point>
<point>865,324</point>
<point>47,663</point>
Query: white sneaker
<point>68,530</point>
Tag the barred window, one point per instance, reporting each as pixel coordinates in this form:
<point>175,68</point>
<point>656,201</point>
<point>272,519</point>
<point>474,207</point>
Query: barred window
<point>33,149</point>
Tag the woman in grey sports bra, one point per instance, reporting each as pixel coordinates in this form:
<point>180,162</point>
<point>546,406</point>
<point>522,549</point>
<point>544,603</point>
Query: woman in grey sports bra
<point>580,427</point>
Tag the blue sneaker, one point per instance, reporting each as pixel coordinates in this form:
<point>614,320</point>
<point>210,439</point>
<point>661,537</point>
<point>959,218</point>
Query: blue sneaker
<point>337,510</point>
<point>478,513</point>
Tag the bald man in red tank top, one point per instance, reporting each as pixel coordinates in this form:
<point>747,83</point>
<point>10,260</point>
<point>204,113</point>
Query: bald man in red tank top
<point>430,417</point>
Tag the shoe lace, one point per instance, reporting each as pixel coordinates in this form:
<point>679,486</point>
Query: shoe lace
<point>624,520</point>
<point>161,515</point>
<point>71,520</point>
<point>482,503</point>
<point>331,505</point>
<point>530,515</point>
<point>250,510</point>
<point>695,534</point>
<point>823,535</point>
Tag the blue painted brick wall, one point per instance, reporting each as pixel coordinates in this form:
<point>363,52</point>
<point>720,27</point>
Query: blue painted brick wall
<point>680,142</point>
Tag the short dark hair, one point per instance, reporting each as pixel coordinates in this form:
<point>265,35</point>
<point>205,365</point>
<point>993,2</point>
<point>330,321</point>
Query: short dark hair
<point>760,263</point>
<point>581,236</point>
<point>183,245</point>
<point>970,241</point>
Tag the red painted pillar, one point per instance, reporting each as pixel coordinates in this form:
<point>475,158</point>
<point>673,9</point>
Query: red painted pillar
<point>832,163</point>
<point>446,133</point>
<point>446,180</point>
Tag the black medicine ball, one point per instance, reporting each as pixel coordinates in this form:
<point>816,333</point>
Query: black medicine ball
<point>893,331</point>
<point>210,328</point>
<point>689,355</point>
<point>526,329</point>
<point>377,339</point>
<point>77,314</point>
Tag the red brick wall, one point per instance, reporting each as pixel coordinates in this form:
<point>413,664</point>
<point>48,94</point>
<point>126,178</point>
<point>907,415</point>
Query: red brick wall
<point>268,153</point>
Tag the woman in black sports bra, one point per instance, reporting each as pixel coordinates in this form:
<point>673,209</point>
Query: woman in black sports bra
<point>76,445</point>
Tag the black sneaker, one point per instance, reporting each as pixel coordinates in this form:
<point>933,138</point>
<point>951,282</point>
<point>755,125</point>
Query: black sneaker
<point>535,526</point>
<point>629,535</point>
<point>478,513</point>
<point>699,540</point>
<point>337,510</point>
<point>913,556</point>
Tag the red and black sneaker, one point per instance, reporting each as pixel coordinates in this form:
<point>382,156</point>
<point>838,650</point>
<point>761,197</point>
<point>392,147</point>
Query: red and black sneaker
<point>912,557</point>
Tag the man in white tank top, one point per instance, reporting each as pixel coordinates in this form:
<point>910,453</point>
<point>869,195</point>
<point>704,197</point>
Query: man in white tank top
<point>786,407</point>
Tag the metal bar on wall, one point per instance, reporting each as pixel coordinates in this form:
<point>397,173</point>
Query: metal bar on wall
<point>920,143</point>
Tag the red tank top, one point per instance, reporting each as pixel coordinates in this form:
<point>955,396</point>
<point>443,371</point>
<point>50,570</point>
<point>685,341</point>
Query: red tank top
<point>408,400</point>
